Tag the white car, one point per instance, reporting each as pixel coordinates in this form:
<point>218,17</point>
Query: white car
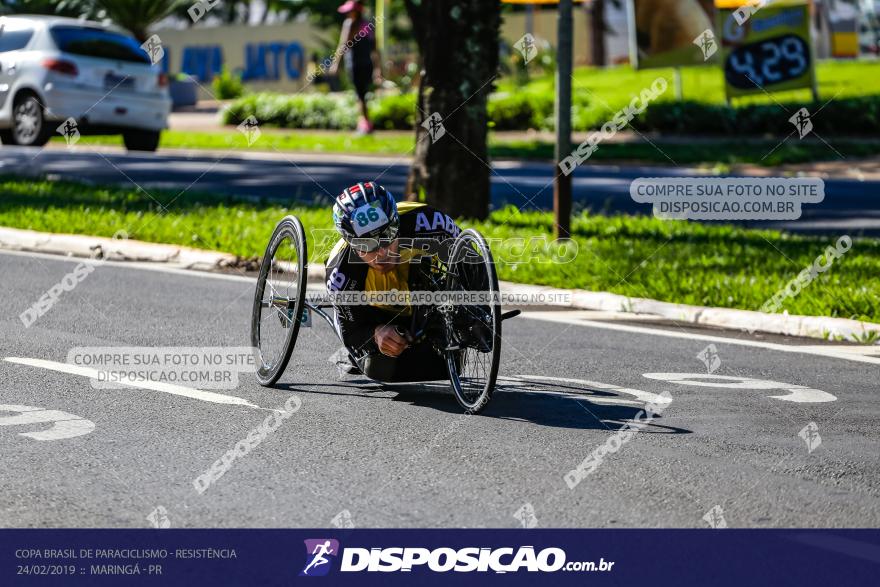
<point>77,76</point>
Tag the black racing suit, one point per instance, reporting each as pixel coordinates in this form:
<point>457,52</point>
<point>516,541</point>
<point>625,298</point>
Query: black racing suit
<point>423,231</point>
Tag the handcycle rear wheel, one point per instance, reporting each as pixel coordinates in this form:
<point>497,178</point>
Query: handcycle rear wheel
<point>279,300</point>
<point>473,368</point>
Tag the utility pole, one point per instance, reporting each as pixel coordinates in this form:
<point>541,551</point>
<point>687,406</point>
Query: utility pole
<point>596,12</point>
<point>562,182</point>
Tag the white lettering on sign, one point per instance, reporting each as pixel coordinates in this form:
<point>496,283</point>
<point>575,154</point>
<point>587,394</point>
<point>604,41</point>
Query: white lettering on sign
<point>795,393</point>
<point>64,425</point>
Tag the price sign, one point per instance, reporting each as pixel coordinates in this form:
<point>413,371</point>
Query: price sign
<point>765,49</point>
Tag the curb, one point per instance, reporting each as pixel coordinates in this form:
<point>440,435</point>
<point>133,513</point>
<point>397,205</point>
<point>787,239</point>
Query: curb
<point>111,249</point>
<point>745,320</point>
<point>200,260</point>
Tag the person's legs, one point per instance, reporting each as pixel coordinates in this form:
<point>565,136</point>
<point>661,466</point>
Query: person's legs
<point>378,367</point>
<point>417,363</point>
<point>361,78</point>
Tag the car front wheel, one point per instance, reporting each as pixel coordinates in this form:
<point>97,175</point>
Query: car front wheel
<point>28,124</point>
<point>141,140</point>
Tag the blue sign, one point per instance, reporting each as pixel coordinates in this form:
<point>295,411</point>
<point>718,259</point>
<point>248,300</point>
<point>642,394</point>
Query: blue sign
<point>202,63</point>
<point>270,61</point>
<point>266,61</point>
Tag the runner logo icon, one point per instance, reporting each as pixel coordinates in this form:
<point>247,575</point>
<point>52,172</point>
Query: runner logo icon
<point>318,551</point>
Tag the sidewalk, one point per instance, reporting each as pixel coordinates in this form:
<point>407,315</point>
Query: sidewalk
<point>616,306</point>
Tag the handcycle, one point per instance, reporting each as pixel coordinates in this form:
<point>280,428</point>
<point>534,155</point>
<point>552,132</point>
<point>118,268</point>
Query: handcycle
<point>468,336</point>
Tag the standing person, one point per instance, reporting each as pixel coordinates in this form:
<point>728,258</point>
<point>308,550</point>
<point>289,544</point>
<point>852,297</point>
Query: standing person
<point>357,45</point>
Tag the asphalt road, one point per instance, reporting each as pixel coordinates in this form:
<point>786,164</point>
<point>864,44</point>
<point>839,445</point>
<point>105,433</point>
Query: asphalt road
<point>850,206</point>
<point>405,456</point>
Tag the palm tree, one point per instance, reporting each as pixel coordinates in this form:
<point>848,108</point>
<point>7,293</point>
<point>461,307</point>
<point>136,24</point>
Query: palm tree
<point>137,15</point>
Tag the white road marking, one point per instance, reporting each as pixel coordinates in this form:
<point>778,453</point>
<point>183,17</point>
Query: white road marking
<point>64,425</point>
<point>642,397</point>
<point>577,318</point>
<point>205,396</point>
<point>142,265</point>
<point>796,393</point>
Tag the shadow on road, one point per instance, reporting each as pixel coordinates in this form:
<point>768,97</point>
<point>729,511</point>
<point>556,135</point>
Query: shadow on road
<point>551,408</point>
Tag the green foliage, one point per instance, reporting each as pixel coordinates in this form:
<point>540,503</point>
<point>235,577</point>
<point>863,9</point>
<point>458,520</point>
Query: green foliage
<point>227,85</point>
<point>394,112</point>
<point>841,117</point>
<point>330,111</point>
<point>519,110</point>
<point>137,15</point>
<point>513,62</point>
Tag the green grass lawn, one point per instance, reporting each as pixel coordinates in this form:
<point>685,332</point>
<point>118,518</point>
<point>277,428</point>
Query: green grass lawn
<point>295,140</point>
<point>607,90</point>
<point>636,256</point>
<point>765,153</point>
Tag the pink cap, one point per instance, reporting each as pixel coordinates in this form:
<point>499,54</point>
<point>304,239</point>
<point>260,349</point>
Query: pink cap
<point>349,6</point>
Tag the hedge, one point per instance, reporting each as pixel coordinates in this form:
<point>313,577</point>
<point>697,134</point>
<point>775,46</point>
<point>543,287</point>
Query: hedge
<point>525,110</point>
<point>329,111</point>
<point>845,117</point>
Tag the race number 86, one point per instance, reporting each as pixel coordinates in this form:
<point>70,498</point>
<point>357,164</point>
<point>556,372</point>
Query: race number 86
<point>365,218</point>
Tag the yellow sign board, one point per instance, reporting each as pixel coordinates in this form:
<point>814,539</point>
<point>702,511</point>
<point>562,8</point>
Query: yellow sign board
<point>765,47</point>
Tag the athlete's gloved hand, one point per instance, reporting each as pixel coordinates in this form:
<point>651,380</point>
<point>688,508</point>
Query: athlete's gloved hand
<point>389,341</point>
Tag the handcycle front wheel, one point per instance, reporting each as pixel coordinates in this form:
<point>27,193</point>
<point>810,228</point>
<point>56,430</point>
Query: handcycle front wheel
<point>473,331</point>
<point>279,300</point>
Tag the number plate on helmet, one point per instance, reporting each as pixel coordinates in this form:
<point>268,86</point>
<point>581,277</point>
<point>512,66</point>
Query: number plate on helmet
<point>368,218</point>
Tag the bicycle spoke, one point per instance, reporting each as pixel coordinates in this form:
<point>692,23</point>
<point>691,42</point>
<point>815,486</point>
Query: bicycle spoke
<point>275,323</point>
<point>471,270</point>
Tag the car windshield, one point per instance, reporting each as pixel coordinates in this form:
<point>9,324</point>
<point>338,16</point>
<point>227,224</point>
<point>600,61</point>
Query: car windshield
<point>95,42</point>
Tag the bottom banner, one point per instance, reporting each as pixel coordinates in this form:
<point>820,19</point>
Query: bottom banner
<point>437,557</point>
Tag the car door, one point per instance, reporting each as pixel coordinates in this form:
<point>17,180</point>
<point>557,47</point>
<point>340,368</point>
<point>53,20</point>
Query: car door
<point>14,36</point>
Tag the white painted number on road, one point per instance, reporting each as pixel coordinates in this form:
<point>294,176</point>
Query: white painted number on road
<point>795,393</point>
<point>640,396</point>
<point>64,425</point>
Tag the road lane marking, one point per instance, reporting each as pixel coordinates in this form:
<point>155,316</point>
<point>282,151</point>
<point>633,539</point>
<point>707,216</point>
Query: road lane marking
<point>141,265</point>
<point>642,397</point>
<point>796,393</point>
<point>64,425</point>
<point>833,352</point>
<point>198,394</point>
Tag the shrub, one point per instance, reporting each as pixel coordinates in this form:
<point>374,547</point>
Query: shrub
<point>530,109</point>
<point>850,116</point>
<point>394,112</point>
<point>330,111</point>
<point>227,85</point>
<point>519,111</point>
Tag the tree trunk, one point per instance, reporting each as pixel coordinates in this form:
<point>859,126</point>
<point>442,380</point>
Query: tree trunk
<point>458,50</point>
